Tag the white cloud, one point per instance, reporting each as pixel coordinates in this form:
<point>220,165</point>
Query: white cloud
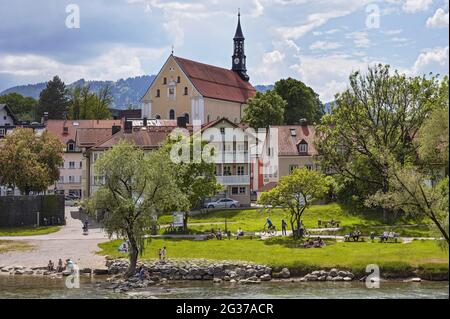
<point>325,45</point>
<point>392,32</point>
<point>412,6</point>
<point>360,39</point>
<point>438,20</point>
<point>120,62</point>
<point>431,60</point>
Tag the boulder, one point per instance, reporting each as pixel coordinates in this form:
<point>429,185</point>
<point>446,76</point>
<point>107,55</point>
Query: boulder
<point>347,279</point>
<point>311,277</point>
<point>333,272</point>
<point>285,273</point>
<point>217,280</point>
<point>416,279</point>
<point>19,272</point>
<point>66,273</point>
<point>342,273</point>
<point>329,278</point>
<point>338,278</point>
<point>322,278</point>
<point>265,277</point>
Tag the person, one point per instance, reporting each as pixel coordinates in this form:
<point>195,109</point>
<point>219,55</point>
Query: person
<point>372,236</point>
<point>219,234</point>
<point>142,273</point>
<point>123,248</point>
<point>283,227</point>
<point>240,233</point>
<point>385,236</point>
<point>269,223</point>
<point>60,266</point>
<point>50,266</point>
<point>163,253</point>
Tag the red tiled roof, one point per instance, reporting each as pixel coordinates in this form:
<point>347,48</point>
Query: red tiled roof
<point>56,127</point>
<point>217,83</point>
<point>89,137</point>
<point>288,144</point>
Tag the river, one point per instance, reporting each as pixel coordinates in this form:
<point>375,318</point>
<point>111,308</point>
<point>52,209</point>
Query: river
<point>44,287</point>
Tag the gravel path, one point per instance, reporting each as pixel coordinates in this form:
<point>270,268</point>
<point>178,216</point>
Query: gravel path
<point>69,242</point>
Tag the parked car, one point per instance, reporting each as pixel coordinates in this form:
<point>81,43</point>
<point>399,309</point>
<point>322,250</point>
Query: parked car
<point>223,203</point>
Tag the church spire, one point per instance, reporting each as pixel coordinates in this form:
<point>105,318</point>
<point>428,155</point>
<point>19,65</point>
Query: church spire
<point>239,58</point>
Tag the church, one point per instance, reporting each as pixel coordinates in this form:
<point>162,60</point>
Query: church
<point>198,91</point>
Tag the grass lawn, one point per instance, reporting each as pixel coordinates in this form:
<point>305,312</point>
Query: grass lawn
<point>9,245</point>
<point>278,252</point>
<point>254,219</point>
<point>28,231</point>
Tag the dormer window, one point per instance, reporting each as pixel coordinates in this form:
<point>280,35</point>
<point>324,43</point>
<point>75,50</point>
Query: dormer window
<point>303,147</point>
<point>70,147</point>
<point>65,130</point>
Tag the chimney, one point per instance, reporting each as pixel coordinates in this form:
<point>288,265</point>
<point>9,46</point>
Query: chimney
<point>145,122</point>
<point>116,129</point>
<point>303,122</point>
<point>128,127</point>
<point>182,122</point>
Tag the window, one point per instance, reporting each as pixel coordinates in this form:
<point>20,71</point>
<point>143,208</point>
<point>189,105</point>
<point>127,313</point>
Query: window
<point>303,148</point>
<point>178,79</point>
<point>165,81</point>
<point>172,114</point>
<point>185,91</point>
<point>65,130</point>
<point>70,147</point>
<point>292,168</point>
<point>234,190</point>
<point>227,170</point>
<point>242,190</point>
<point>81,164</point>
<point>71,179</point>
<point>293,132</point>
<point>222,130</point>
<point>72,165</point>
<point>186,115</point>
<point>241,170</point>
<point>2,132</point>
<point>158,93</point>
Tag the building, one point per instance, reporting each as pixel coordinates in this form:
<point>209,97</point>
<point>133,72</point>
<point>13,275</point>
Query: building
<point>118,114</point>
<point>294,149</point>
<point>199,91</point>
<point>8,120</point>
<point>70,180</point>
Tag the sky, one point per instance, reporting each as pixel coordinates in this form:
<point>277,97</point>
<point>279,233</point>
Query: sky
<point>319,42</point>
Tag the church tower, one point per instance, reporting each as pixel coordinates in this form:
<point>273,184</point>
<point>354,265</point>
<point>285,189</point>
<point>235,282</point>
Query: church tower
<point>239,58</point>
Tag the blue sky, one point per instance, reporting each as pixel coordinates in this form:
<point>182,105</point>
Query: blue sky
<point>317,41</point>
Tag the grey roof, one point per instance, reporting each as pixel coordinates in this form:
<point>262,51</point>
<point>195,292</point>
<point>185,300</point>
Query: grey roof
<point>10,112</point>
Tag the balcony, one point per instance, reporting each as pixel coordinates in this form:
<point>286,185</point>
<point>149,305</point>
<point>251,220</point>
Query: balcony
<point>234,180</point>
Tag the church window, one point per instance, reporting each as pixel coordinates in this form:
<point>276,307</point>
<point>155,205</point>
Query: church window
<point>172,114</point>
<point>158,93</point>
<point>179,79</point>
<point>165,81</point>
<point>185,91</point>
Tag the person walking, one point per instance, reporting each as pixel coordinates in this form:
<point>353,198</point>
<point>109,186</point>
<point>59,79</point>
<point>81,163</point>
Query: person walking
<point>283,228</point>
<point>163,253</point>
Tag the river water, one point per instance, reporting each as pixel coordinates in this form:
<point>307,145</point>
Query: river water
<point>44,287</point>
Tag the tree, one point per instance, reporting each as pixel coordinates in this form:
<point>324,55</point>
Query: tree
<point>302,101</point>
<point>23,107</point>
<point>414,193</point>
<point>29,161</point>
<point>136,189</point>
<point>381,113</point>
<point>86,105</point>
<point>54,100</point>
<point>296,192</point>
<point>264,110</point>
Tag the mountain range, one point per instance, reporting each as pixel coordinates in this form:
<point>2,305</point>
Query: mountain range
<point>125,92</point>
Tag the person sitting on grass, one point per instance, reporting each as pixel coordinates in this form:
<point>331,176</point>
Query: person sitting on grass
<point>372,236</point>
<point>384,237</point>
<point>60,267</point>
<point>219,234</point>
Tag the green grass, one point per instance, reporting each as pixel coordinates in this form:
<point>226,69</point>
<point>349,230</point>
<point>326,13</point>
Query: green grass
<point>284,252</point>
<point>253,220</point>
<point>28,231</point>
<point>9,245</point>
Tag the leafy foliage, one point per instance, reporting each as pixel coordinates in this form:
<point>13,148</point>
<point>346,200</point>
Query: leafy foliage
<point>54,100</point>
<point>264,110</point>
<point>29,161</point>
<point>85,105</point>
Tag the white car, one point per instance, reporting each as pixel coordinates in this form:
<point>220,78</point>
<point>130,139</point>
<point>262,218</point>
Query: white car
<point>223,203</point>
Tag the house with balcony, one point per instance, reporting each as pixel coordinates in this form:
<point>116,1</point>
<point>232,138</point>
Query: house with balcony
<point>70,173</point>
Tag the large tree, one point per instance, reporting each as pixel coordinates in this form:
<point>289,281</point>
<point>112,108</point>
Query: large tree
<point>23,107</point>
<point>29,161</point>
<point>136,189</point>
<point>296,192</point>
<point>302,101</point>
<point>87,105</point>
<point>381,113</point>
<point>264,110</point>
<point>54,100</point>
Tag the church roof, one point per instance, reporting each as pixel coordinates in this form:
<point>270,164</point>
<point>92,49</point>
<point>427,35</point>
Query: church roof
<point>217,83</point>
<point>239,34</point>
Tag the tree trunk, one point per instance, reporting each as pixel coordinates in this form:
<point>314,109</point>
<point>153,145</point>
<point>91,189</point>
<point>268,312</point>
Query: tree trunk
<point>134,253</point>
